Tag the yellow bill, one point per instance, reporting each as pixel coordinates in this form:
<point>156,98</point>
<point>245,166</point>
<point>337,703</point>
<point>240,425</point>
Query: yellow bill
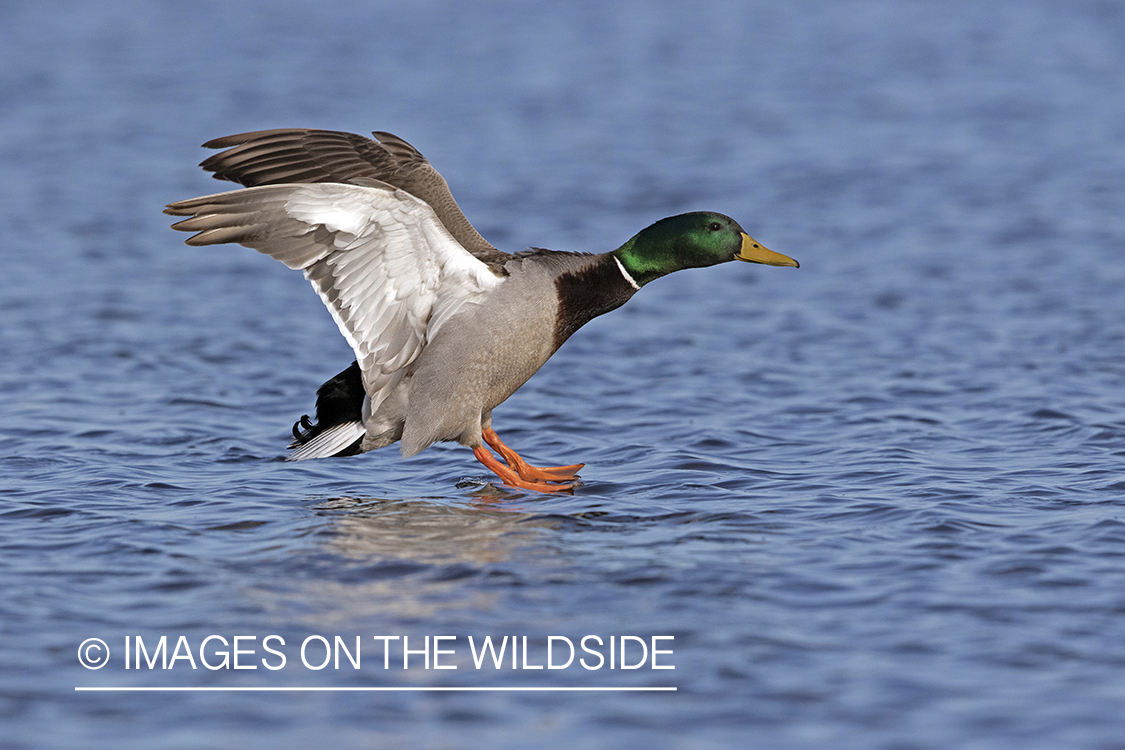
<point>752,252</point>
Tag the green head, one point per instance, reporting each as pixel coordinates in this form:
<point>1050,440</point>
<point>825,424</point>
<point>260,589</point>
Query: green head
<point>692,240</point>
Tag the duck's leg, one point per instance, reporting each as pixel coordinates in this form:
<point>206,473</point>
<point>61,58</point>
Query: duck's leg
<point>525,470</point>
<point>511,478</point>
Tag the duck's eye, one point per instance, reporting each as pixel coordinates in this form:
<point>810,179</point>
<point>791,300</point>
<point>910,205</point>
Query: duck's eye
<point>715,226</point>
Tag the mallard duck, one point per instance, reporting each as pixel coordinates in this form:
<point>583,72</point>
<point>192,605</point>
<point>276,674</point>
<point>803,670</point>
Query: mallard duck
<point>444,326</point>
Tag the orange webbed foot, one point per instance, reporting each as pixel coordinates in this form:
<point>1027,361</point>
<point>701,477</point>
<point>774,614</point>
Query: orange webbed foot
<point>525,470</point>
<point>519,473</point>
<point>513,479</point>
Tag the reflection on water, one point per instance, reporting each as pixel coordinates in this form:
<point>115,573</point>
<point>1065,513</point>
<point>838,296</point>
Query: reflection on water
<point>408,559</point>
<point>430,533</point>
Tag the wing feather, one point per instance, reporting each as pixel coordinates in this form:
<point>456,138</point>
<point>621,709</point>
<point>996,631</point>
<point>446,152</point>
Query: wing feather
<point>302,155</point>
<point>379,257</point>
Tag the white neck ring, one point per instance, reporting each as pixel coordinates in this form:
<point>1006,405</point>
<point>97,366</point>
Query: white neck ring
<point>630,279</point>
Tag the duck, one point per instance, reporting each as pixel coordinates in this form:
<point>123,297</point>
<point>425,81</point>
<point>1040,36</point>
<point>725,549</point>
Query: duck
<point>444,326</point>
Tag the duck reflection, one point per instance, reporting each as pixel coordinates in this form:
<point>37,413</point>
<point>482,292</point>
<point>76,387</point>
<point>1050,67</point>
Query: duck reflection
<point>409,559</point>
<point>430,532</point>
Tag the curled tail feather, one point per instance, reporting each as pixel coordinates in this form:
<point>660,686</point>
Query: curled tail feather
<point>339,429</point>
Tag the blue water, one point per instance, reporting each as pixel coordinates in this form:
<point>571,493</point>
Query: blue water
<point>878,502</point>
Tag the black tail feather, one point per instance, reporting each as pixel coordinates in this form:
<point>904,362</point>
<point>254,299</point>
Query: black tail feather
<point>338,401</point>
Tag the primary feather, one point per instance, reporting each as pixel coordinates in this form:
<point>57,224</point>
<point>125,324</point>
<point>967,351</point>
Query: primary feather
<point>387,269</point>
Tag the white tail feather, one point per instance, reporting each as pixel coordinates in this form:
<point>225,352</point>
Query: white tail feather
<point>330,442</point>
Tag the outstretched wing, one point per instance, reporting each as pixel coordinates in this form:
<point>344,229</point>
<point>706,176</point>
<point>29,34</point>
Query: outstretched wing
<point>300,155</point>
<point>389,271</point>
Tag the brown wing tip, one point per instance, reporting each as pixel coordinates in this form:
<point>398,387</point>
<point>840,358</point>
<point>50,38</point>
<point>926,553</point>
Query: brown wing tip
<point>239,138</point>
<point>188,206</point>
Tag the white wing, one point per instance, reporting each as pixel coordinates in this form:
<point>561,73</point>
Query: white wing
<point>386,267</point>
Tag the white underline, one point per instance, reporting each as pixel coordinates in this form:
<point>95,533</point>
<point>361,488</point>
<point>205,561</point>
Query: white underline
<point>372,689</point>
